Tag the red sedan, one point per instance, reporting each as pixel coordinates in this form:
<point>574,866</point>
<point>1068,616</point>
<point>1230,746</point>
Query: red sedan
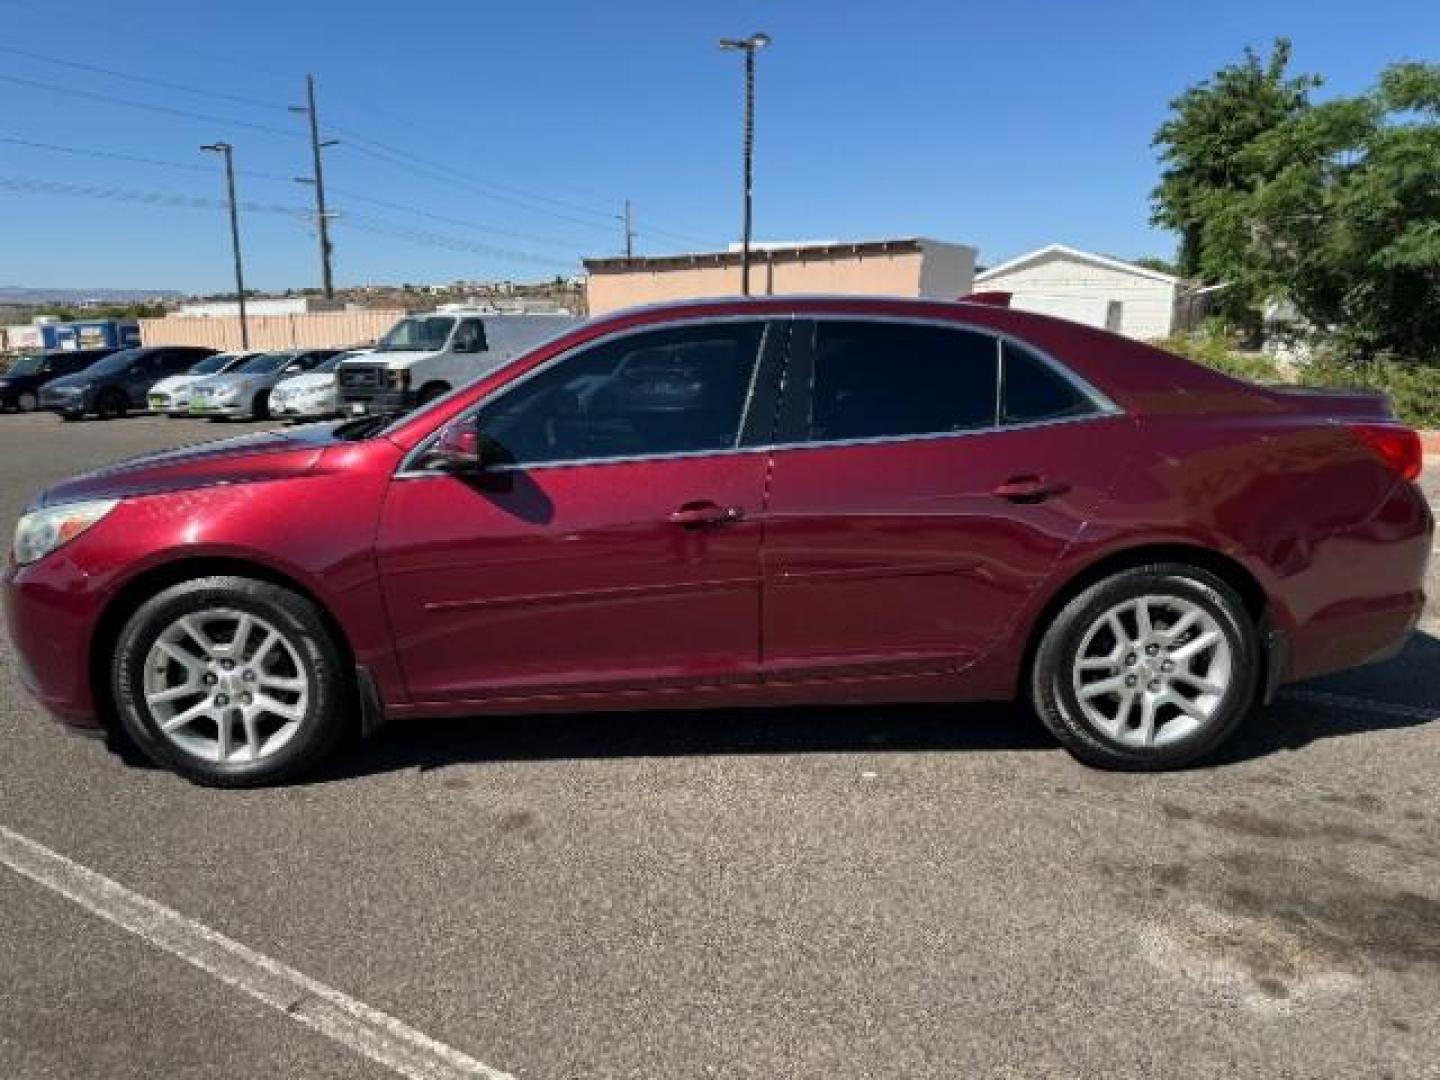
<point>740,503</point>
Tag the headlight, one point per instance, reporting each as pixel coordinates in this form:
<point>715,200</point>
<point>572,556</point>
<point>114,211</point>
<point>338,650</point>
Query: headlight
<point>42,531</point>
<point>227,393</point>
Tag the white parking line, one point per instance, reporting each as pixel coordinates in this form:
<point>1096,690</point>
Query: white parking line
<point>368,1031</point>
<point>1343,701</point>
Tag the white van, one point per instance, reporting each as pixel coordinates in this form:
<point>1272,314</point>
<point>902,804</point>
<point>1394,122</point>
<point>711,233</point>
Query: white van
<point>424,356</point>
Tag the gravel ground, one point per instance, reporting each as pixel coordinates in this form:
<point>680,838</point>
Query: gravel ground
<point>898,892</point>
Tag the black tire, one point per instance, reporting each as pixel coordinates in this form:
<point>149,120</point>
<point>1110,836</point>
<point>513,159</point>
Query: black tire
<point>70,418</point>
<point>1052,682</point>
<point>26,401</point>
<point>260,408</point>
<point>111,405</point>
<point>324,721</point>
<point>429,392</point>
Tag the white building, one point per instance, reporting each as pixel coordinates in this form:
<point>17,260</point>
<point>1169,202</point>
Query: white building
<point>1088,288</point>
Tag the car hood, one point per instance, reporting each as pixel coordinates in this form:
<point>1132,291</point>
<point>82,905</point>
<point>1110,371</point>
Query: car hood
<point>77,380</point>
<point>269,455</point>
<point>220,382</point>
<point>172,383</point>
<point>393,358</point>
<point>308,381</point>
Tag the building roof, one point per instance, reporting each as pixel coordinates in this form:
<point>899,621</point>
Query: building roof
<point>1064,251</point>
<point>759,253</point>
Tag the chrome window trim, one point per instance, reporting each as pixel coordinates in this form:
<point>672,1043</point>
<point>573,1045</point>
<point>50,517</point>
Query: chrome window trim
<point>1105,407</point>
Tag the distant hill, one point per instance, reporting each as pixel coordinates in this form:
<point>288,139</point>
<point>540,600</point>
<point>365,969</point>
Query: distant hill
<point>14,295</point>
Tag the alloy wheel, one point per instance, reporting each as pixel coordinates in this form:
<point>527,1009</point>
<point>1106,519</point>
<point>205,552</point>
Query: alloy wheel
<point>1153,670</point>
<point>226,686</point>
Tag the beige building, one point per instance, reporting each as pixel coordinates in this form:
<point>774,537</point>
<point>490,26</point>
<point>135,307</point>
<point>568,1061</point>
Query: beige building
<point>903,267</point>
<point>314,329</point>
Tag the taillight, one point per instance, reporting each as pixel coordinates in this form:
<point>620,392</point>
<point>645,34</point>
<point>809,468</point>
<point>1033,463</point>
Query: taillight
<point>1397,446</point>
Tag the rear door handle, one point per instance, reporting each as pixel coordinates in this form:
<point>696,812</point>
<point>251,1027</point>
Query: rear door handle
<point>1030,489</point>
<point>706,513</point>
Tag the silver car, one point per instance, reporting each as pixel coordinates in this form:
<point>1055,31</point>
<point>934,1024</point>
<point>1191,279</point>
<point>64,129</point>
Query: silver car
<point>172,396</point>
<point>313,395</point>
<point>245,391</point>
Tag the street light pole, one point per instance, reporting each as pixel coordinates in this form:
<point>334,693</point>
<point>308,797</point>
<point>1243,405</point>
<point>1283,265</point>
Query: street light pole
<point>749,46</point>
<point>229,152</point>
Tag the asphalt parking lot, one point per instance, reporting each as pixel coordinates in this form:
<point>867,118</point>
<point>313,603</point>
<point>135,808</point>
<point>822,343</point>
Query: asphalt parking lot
<point>898,892</point>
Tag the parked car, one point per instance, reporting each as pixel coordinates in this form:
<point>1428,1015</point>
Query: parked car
<point>762,502</point>
<point>425,356</point>
<point>172,396</point>
<point>311,395</point>
<point>245,390</point>
<point>20,384</point>
<point>119,383</point>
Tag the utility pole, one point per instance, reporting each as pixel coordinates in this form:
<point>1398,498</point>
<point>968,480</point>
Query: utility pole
<point>317,177</point>
<point>750,46</point>
<point>629,231</point>
<point>229,152</point>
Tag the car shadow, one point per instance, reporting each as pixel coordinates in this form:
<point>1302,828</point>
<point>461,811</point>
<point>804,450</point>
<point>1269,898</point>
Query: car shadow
<point>1400,693</point>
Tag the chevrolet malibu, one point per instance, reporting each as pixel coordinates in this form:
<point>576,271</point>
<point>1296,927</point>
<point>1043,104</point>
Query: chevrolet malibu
<point>730,503</point>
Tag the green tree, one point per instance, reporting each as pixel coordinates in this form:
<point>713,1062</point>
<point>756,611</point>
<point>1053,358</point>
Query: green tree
<point>1346,222</point>
<point>1206,150</point>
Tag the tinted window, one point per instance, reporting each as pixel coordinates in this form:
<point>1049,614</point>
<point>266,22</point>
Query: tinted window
<point>115,362</point>
<point>470,337</point>
<point>878,379</point>
<point>659,392</point>
<point>1036,391</point>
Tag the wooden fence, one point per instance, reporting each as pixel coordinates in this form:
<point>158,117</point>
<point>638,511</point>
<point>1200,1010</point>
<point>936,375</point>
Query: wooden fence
<point>316,329</point>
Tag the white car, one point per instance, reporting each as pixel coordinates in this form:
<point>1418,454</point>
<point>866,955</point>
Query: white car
<point>244,391</point>
<point>311,396</point>
<point>172,396</point>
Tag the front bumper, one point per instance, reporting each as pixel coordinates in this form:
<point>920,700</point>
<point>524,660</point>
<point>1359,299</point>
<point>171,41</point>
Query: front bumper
<point>207,407</point>
<point>377,401</point>
<point>304,408</point>
<point>50,612</point>
<point>169,404</point>
<point>70,405</point>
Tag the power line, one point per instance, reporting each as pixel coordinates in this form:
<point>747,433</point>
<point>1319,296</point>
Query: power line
<point>150,198</point>
<point>165,109</point>
<point>143,80</point>
<point>450,176</point>
<point>112,155</point>
<point>363,223</point>
<point>349,194</point>
<point>381,227</point>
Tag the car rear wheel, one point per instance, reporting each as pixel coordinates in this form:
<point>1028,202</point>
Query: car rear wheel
<point>231,682</point>
<point>1151,668</point>
<point>111,405</point>
<point>25,401</point>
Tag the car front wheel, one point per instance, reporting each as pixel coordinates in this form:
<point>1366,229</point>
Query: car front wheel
<point>231,682</point>
<point>1151,668</point>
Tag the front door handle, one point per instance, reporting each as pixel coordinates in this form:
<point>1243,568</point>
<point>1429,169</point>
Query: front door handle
<point>706,513</point>
<point>1030,488</point>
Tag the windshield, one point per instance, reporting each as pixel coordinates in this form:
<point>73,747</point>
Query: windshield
<point>265,363</point>
<point>114,362</point>
<point>26,365</point>
<point>425,334</point>
<point>327,366</point>
<point>212,364</point>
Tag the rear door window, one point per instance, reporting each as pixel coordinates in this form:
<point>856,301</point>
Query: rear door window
<point>878,380</point>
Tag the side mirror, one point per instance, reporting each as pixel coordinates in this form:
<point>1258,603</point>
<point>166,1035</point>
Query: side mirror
<point>458,448</point>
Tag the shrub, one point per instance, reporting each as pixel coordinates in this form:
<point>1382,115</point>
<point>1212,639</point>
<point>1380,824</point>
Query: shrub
<point>1215,349</point>
<point>1413,387</point>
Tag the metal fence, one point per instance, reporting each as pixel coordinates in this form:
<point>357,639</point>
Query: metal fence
<point>316,329</point>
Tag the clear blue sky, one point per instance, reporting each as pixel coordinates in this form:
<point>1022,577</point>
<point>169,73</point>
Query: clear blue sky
<point>1003,125</point>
